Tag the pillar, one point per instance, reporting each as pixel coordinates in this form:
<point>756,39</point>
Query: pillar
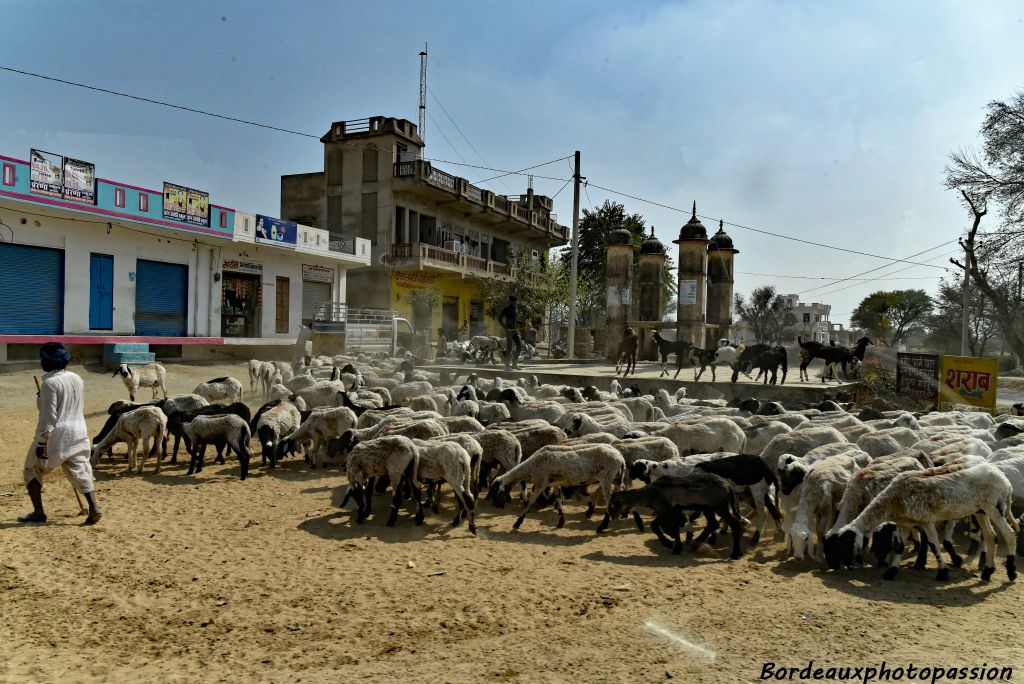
<point>693,271</point>
<point>619,272</point>
<point>651,294</point>
<point>720,286</point>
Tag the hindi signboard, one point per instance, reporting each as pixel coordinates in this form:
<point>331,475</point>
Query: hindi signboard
<point>47,174</point>
<point>317,274</point>
<point>238,266</point>
<point>917,376</point>
<point>174,202</point>
<point>197,207</point>
<point>687,291</point>
<point>79,181</point>
<point>274,231</point>
<point>969,380</point>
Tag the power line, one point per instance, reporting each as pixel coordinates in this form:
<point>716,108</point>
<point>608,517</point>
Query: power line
<point>848,287</point>
<point>780,275</point>
<point>505,172</point>
<point>758,230</point>
<point>159,102</point>
<point>459,129</point>
<point>879,268</point>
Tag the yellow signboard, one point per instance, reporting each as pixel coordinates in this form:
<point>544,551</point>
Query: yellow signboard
<point>969,380</point>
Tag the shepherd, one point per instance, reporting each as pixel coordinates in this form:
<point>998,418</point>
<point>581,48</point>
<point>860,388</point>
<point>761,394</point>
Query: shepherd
<point>61,439</point>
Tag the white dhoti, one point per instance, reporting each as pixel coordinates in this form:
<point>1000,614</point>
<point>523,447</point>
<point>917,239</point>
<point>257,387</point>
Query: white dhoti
<point>77,468</point>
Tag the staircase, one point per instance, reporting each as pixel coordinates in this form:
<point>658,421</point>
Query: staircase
<point>132,353</point>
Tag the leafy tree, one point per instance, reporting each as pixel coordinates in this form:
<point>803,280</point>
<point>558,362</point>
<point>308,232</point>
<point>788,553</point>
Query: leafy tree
<point>892,316</point>
<point>994,176</point>
<point>536,287</point>
<point>945,324</point>
<point>765,313</point>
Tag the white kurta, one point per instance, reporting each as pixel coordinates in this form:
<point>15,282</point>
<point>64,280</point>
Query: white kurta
<point>61,429</point>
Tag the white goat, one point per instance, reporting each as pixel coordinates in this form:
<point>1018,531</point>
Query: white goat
<point>152,375</point>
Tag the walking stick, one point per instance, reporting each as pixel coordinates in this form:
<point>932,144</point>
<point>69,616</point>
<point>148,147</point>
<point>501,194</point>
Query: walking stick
<point>78,497</point>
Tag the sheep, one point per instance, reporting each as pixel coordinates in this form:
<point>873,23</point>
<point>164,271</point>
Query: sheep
<point>395,457</point>
<point>521,410</point>
<point>228,429</point>
<point>134,427</point>
<point>405,392</point>
<point>151,375</point>
<point>283,419</point>
<point>301,382</point>
<point>226,388</point>
<point>646,448</point>
<point>889,441</point>
<point>700,491</point>
<point>499,448</point>
<point>823,489</point>
<point>757,436</point>
<point>116,410</point>
<point>176,423</point>
<point>798,443</point>
<point>462,424</point>
<point>532,435</point>
<point>747,472</point>
<point>323,394</point>
<point>710,434</point>
<point>554,466</point>
<point>320,426</point>
<point>449,461</point>
<point>934,495</point>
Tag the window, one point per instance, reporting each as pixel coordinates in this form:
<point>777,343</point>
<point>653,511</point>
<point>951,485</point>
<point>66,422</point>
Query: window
<point>789,303</point>
<point>369,164</point>
<point>223,219</point>
<point>8,174</point>
<point>281,309</point>
<point>369,217</point>
<point>817,318</point>
<point>119,197</point>
<point>807,318</point>
<point>143,201</point>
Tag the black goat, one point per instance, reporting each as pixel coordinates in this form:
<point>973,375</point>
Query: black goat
<point>768,361</point>
<point>681,348</point>
<point>626,353</point>
<point>705,358</point>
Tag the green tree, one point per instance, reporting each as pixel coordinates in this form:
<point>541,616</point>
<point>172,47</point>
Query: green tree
<point>893,315</point>
<point>765,313</point>
<point>536,286</point>
<point>945,324</point>
<point>994,176</point>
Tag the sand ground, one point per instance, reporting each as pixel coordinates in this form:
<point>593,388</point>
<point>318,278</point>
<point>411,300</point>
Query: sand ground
<point>207,578</point>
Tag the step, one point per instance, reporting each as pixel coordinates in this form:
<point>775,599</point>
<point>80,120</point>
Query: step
<point>136,358</point>
<point>121,347</point>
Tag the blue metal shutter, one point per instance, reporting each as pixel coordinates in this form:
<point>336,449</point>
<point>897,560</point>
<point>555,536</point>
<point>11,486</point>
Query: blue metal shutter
<point>32,281</point>
<point>161,298</point>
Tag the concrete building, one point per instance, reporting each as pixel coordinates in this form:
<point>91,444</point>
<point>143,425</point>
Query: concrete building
<point>118,270</point>
<point>429,231</point>
<point>811,319</point>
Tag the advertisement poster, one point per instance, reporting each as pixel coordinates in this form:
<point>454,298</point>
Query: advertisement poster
<point>969,380</point>
<point>79,181</point>
<point>174,202</point>
<point>197,208</point>
<point>275,231</point>
<point>917,376</point>
<point>687,291</point>
<point>47,175</point>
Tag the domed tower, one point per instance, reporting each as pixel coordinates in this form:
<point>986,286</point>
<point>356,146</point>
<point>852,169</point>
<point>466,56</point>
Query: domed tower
<point>619,271</point>
<point>651,295</point>
<point>693,273</point>
<point>720,281</point>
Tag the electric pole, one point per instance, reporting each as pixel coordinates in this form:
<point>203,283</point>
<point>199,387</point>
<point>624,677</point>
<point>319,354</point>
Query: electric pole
<point>423,94</point>
<point>575,255</point>
<point>966,327</point>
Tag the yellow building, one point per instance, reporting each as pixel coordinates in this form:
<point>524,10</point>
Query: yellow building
<point>430,231</point>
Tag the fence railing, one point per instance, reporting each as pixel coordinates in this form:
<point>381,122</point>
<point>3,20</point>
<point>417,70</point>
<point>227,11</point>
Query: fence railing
<point>406,168</point>
<point>440,254</point>
<point>474,193</point>
<point>475,262</point>
<point>442,179</point>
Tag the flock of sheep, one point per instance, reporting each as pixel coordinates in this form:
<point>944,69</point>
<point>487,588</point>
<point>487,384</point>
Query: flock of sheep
<point>835,484</point>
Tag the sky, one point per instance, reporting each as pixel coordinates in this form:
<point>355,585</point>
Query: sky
<point>827,122</point>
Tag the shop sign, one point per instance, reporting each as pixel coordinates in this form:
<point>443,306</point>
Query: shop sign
<point>917,376</point>
<point>969,380</point>
<point>274,231</point>
<point>237,266</point>
<point>412,280</point>
<point>317,274</point>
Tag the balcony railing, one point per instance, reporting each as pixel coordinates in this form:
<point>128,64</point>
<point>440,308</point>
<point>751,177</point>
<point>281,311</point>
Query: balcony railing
<point>474,193</point>
<point>499,268</point>
<point>501,203</point>
<point>406,168</point>
<point>469,262</point>
<point>475,262</point>
<point>520,211</point>
<point>440,254</point>
<point>442,179</point>
<point>344,245</point>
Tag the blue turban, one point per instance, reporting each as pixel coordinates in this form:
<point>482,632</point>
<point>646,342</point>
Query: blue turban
<point>55,354</point>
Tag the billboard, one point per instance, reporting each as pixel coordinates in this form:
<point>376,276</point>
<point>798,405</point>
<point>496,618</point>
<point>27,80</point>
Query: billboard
<point>917,376</point>
<point>687,291</point>
<point>47,175</point>
<point>274,231</point>
<point>79,181</point>
<point>186,205</point>
<point>969,380</point>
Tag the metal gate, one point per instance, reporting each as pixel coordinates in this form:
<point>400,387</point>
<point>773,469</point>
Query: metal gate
<point>313,295</point>
<point>32,280</point>
<point>161,298</point>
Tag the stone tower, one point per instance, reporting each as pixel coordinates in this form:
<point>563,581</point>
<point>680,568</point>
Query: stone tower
<point>693,272</point>
<point>619,271</point>
<point>720,281</point>
<point>651,293</point>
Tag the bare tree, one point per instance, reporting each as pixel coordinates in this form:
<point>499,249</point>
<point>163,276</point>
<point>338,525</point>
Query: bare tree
<point>765,313</point>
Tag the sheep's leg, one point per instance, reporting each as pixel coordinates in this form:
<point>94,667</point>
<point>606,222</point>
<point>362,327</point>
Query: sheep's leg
<point>709,529</point>
<point>955,559</point>
<point>538,489</point>
<point>358,493</point>
<point>557,502</point>
<point>933,544</point>
<point>131,453</point>
<point>656,527</point>
<point>1005,531</point>
<point>606,492</point>
<point>220,454</point>
<point>735,527</point>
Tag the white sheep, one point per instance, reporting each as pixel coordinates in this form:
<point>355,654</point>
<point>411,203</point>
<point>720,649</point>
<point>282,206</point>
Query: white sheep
<point>283,419</point>
<point>147,426</point>
<point>887,441</point>
<point>822,491</point>
<point>151,375</point>
<point>395,457</point>
<point>319,427</point>
<point>708,435</point>
<point>758,435</point>
<point>448,461</point>
<point>226,388</point>
<point>227,429</point>
<point>937,495</point>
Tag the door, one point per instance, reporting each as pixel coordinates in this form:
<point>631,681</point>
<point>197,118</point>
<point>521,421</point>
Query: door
<point>101,292</point>
<point>450,316</point>
<point>281,305</point>
<point>313,295</point>
<point>32,283</point>
<point>161,299</point>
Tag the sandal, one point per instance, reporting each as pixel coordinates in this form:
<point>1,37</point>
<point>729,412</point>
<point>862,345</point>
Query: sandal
<point>32,517</point>
<point>94,517</point>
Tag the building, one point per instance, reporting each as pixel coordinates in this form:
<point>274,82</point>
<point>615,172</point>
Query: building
<point>121,265</point>
<point>435,237</point>
<point>811,319</point>
<point>706,273</point>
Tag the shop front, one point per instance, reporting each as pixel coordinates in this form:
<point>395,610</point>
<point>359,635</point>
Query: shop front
<point>242,298</point>
<point>317,285</point>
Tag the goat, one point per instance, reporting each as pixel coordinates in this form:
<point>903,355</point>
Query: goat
<point>152,375</point>
<point>681,348</point>
<point>626,353</point>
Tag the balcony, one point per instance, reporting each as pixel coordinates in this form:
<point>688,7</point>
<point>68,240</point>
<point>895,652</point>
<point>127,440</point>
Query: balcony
<point>418,256</point>
<point>431,183</point>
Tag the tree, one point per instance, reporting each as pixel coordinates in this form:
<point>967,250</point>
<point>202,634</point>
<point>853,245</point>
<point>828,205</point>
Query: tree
<point>536,286</point>
<point>995,176</point>
<point>892,316</point>
<point>765,313</point>
<point>945,324</point>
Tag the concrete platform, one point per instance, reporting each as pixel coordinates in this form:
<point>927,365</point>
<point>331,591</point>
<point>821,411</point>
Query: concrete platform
<point>601,374</point>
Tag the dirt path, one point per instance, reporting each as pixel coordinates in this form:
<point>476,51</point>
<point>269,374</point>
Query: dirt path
<point>212,579</point>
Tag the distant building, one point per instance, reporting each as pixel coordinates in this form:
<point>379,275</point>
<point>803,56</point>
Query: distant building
<point>811,319</point>
<point>430,231</point>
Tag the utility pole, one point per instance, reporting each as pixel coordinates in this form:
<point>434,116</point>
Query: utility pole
<point>965,329</point>
<point>423,94</point>
<point>575,255</point>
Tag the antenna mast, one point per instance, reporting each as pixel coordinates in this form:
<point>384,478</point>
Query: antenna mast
<point>423,93</point>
